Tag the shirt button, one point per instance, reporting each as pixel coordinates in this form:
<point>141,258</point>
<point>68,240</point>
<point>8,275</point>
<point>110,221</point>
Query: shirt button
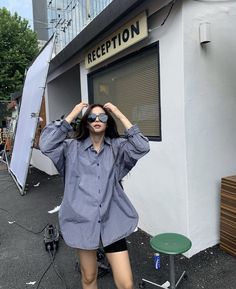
<point>100,206</point>
<point>97,164</point>
<point>99,221</point>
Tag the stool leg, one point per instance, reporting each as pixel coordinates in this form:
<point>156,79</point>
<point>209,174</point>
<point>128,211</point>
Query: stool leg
<point>172,272</point>
<point>155,284</point>
<point>180,278</point>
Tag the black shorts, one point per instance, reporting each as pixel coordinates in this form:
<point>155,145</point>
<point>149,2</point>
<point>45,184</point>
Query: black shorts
<point>117,246</point>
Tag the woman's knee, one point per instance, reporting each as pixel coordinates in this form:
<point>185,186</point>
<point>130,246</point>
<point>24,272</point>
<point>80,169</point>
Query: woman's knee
<point>126,284</point>
<point>88,278</point>
<point>88,266</point>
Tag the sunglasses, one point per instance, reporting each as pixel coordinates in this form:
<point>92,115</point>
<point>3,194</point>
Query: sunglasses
<point>102,117</point>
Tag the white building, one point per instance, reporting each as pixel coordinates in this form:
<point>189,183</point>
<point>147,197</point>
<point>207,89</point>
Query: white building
<point>181,93</point>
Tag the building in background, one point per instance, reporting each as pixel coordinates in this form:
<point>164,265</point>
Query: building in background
<point>66,18</point>
<point>176,81</point>
<point>40,20</point>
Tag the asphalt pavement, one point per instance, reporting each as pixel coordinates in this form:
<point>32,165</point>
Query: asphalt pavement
<point>26,264</point>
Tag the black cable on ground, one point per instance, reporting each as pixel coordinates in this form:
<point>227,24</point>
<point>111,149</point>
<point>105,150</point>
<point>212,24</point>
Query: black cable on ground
<point>41,278</point>
<point>52,255</point>
<point>51,245</point>
<point>21,226</point>
<point>55,269</point>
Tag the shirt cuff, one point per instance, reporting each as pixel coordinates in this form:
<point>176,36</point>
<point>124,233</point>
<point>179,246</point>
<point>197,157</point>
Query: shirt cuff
<point>64,125</point>
<point>132,131</point>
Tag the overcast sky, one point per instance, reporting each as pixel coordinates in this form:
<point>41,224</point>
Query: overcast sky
<point>22,7</point>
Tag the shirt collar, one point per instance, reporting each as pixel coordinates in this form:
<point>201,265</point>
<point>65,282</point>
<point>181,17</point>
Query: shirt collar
<point>88,143</point>
<point>107,140</point>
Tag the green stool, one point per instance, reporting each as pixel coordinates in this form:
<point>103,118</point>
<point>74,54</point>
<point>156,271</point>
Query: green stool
<point>170,244</point>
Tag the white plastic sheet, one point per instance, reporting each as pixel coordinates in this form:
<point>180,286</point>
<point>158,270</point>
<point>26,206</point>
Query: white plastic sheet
<point>33,91</point>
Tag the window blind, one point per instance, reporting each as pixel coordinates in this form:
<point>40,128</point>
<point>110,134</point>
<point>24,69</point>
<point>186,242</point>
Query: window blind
<point>132,85</point>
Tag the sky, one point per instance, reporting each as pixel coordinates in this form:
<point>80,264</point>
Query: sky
<point>22,7</point>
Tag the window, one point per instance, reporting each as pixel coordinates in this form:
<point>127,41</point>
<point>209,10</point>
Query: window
<point>132,84</point>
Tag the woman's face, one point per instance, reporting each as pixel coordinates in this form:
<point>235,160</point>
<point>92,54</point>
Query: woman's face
<point>97,120</point>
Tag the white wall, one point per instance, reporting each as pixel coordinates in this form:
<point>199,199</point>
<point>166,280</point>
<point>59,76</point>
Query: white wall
<point>177,186</point>
<point>157,185</point>
<point>210,105</point>
<point>63,93</point>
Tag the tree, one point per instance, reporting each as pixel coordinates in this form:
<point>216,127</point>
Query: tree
<point>18,47</point>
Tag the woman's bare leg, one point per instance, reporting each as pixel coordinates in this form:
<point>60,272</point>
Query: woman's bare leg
<point>121,269</point>
<point>88,267</point>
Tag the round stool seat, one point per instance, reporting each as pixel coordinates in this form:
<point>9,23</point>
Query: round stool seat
<point>170,243</point>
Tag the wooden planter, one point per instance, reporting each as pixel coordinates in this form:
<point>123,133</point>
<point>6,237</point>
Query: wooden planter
<point>228,215</point>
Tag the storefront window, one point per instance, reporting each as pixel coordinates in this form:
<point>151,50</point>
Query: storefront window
<point>133,85</point>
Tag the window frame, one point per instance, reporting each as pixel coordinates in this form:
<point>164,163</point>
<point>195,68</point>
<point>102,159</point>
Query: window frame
<point>123,59</point>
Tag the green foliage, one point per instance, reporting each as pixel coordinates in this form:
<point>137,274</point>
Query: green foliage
<point>18,47</point>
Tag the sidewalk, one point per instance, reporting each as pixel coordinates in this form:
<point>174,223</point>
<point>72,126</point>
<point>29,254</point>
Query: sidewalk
<point>23,258</point>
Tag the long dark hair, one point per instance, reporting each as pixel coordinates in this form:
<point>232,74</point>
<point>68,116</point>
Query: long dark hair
<point>83,130</point>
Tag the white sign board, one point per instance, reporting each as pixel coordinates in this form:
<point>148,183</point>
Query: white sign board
<point>127,35</point>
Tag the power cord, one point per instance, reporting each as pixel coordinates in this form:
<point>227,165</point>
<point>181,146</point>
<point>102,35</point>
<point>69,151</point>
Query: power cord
<point>41,278</point>
<point>55,269</point>
<point>51,240</point>
<point>171,3</point>
<point>21,226</point>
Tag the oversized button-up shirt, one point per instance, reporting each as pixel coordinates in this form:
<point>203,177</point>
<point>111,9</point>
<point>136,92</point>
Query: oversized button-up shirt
<point>94,208</point>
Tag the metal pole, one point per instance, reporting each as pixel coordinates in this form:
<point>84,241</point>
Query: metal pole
<point>155,284</point>
<point>172,272</point>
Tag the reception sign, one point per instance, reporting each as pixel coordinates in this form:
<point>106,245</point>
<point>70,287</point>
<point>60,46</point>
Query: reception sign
<point>129,34</point>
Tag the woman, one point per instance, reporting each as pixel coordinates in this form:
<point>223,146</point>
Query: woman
<point>95,210</point>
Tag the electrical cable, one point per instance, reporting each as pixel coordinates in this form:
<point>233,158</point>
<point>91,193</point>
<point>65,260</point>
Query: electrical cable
<point>166,17</point>
<point>45,271</point>
<point>59,24</point>
<point>28,230</point>
<point>51,248</point>
<point>168,14</point>
<point>52,256</point>
<point>55,269</point>
<point>21,226</point>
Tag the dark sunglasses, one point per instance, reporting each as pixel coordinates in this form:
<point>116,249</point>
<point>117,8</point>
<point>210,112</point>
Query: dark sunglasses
<point>102,117</point>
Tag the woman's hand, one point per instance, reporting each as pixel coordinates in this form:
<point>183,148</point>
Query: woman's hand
<point>112,108</point>
<point>75,112</point>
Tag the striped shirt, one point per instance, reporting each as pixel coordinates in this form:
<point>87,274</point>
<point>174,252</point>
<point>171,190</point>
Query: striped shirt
<point>94,207</point>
